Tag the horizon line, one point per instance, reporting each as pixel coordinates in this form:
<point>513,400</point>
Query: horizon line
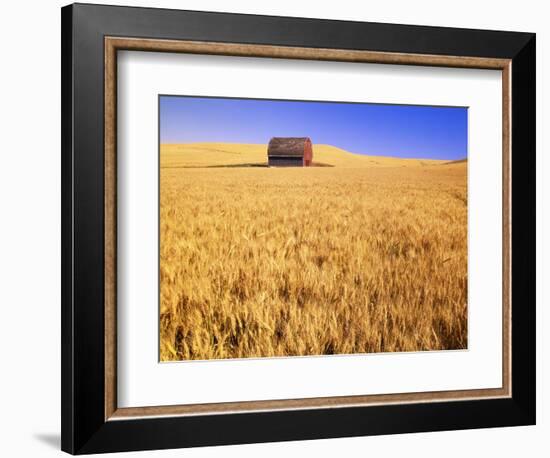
<point>322,144</point>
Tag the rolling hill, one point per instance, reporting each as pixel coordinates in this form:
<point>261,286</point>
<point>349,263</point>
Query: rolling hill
<point>233,154</point>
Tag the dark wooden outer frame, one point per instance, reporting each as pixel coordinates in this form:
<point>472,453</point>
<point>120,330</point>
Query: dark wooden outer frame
<point>90,34</point>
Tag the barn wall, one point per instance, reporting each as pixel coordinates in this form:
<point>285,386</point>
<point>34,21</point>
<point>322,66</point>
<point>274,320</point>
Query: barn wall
<point>285,162</point>
<point>308,154</point>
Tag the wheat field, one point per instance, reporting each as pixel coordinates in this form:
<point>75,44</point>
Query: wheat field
<point>367,254</point>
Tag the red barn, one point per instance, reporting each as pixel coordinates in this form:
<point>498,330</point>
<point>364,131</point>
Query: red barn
<point>289,152</point>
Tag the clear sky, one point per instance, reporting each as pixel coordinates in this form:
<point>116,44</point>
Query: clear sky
<point>376,129</point>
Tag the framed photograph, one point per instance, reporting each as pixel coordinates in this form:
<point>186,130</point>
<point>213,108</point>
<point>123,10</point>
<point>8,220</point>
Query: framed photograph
<point>282,228</point>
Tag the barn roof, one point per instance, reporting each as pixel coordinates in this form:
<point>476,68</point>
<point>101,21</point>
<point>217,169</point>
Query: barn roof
<point>287,146</point>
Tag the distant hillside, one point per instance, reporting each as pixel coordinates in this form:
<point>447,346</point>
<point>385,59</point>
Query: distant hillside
<point>458,161</point>
<point>211,154</point>
<point>342,158</point>
<point>235,154</point>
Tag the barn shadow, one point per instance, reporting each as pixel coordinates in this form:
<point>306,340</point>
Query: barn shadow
<point>232,166</point>
<point>236,166</point>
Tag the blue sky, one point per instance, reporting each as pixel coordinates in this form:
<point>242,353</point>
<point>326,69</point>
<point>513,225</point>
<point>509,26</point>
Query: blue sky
<point>376,129</point>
